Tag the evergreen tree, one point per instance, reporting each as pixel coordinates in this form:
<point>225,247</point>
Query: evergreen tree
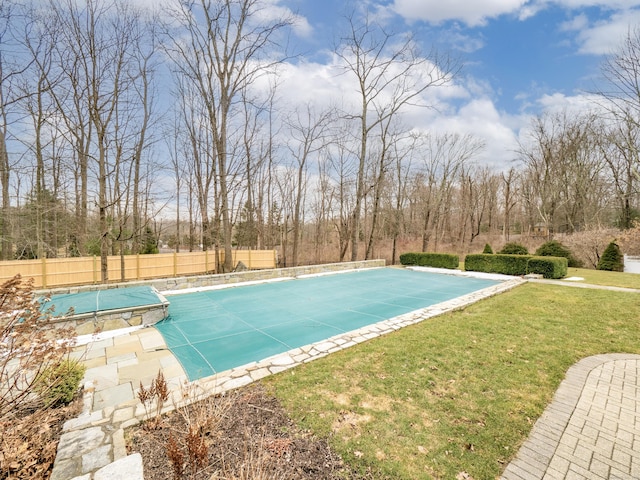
<point>554,248</point>
<point>150,242</point>
<point>611,259</point>
<point>514,248</point>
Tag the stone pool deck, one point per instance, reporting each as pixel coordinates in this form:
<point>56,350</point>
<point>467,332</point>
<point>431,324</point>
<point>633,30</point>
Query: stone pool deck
<point>92,446</point>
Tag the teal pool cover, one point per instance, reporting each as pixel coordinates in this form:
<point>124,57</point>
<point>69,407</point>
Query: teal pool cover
<point>102,300</point>
<point>212,331</point>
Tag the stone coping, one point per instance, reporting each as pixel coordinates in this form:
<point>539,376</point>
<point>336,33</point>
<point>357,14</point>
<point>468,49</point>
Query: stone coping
<point>94,442</point>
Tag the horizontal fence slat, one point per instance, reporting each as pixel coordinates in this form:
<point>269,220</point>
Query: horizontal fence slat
<point>60,272</point>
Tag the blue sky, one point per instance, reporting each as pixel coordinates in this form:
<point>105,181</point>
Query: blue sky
<point>520,57</point>
<point>519,50</point>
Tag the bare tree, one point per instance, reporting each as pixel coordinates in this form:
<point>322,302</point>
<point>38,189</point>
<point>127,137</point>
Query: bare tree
<point>562,173</point>
<point>101,55</point>
<point>342,169</point>
<point>390,74</point>
<point>387,141</point>
<point>403,156</point>
<point>308,134</point>
<point>323,210</point>
<point>11,69</point>
<point>621,72</point>
<point>225,51</point>
<point>620,147</point>
<point>477,202</point>
<point>510,199</point>
<point>445,158</point>
<point>621,97</point>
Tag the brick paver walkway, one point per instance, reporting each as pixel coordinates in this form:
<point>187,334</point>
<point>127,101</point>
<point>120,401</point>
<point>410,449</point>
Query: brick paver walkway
<point>591,430</point>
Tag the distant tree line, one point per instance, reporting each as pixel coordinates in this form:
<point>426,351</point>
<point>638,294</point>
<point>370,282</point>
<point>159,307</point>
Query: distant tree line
<point>117,123</point>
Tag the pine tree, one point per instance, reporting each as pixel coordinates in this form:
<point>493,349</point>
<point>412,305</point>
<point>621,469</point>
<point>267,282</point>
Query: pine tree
<point>611,259</point>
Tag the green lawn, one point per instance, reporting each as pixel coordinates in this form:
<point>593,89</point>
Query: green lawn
<point>460,392</point>
<point>601,277</point>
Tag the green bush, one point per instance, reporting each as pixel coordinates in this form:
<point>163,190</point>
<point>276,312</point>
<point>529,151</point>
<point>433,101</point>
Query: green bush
<point>611,259</point>
<point>548,267</point>
<point>409,258</point>
<point>58,384</point>
<point>487,249</point>
<point>498,263</point>
<point>150,242</point>
<point>554,248</point>
<point>514,248</point>
<point>436,260</point>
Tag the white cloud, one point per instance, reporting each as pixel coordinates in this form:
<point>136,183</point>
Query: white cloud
<point>463,107</point>
<point>605,36</point>
<point>473,13</point>
<point>559,102</point>
<point>272,11</point>
<point>577,23</point>
<point>458,39</point>
<point>480,118</point>
<point>605,4</point>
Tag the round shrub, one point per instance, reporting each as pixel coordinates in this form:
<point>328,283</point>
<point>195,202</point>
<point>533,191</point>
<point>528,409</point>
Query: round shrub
<point>611,259</point>
<point>487,249</point>
<point>513,248</point>
<point>554,248</point>
<point>58,384</point>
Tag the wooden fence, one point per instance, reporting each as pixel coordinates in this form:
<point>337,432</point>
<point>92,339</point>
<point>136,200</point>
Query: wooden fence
<point>60,272</point>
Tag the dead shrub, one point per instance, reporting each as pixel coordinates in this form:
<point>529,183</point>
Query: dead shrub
<point>33,380</point>
<point>157,392</point>
<point>29,345</point>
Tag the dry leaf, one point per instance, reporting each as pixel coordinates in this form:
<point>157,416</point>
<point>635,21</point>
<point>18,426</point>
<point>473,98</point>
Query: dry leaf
<point>463,476</point>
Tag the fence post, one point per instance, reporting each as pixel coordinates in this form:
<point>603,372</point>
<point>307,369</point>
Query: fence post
<point>95,269</point>
<point>137,266</point>
<point>44,272</point>
<point>175,264</point>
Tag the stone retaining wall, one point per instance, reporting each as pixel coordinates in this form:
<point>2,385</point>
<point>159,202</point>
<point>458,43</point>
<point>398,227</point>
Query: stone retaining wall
<point>178,283</point>
<point>113,320</point>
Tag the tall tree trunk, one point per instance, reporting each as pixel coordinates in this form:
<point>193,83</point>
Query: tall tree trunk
<point>5,230</point>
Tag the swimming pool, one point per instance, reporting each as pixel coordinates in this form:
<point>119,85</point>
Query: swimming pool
<point>216,330</point>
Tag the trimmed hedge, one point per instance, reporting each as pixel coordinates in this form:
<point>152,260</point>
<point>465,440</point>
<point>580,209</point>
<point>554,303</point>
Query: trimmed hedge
<point>548,267</point>
<point>497,263</point>
<point>436,260</point>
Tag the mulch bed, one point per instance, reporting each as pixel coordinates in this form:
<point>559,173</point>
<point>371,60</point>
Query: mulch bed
<point>29,441</point>
<point>242,435</point>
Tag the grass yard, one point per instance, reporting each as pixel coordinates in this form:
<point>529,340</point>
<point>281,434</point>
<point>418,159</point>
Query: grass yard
<point>602,277</point>
<point>460,392</point>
